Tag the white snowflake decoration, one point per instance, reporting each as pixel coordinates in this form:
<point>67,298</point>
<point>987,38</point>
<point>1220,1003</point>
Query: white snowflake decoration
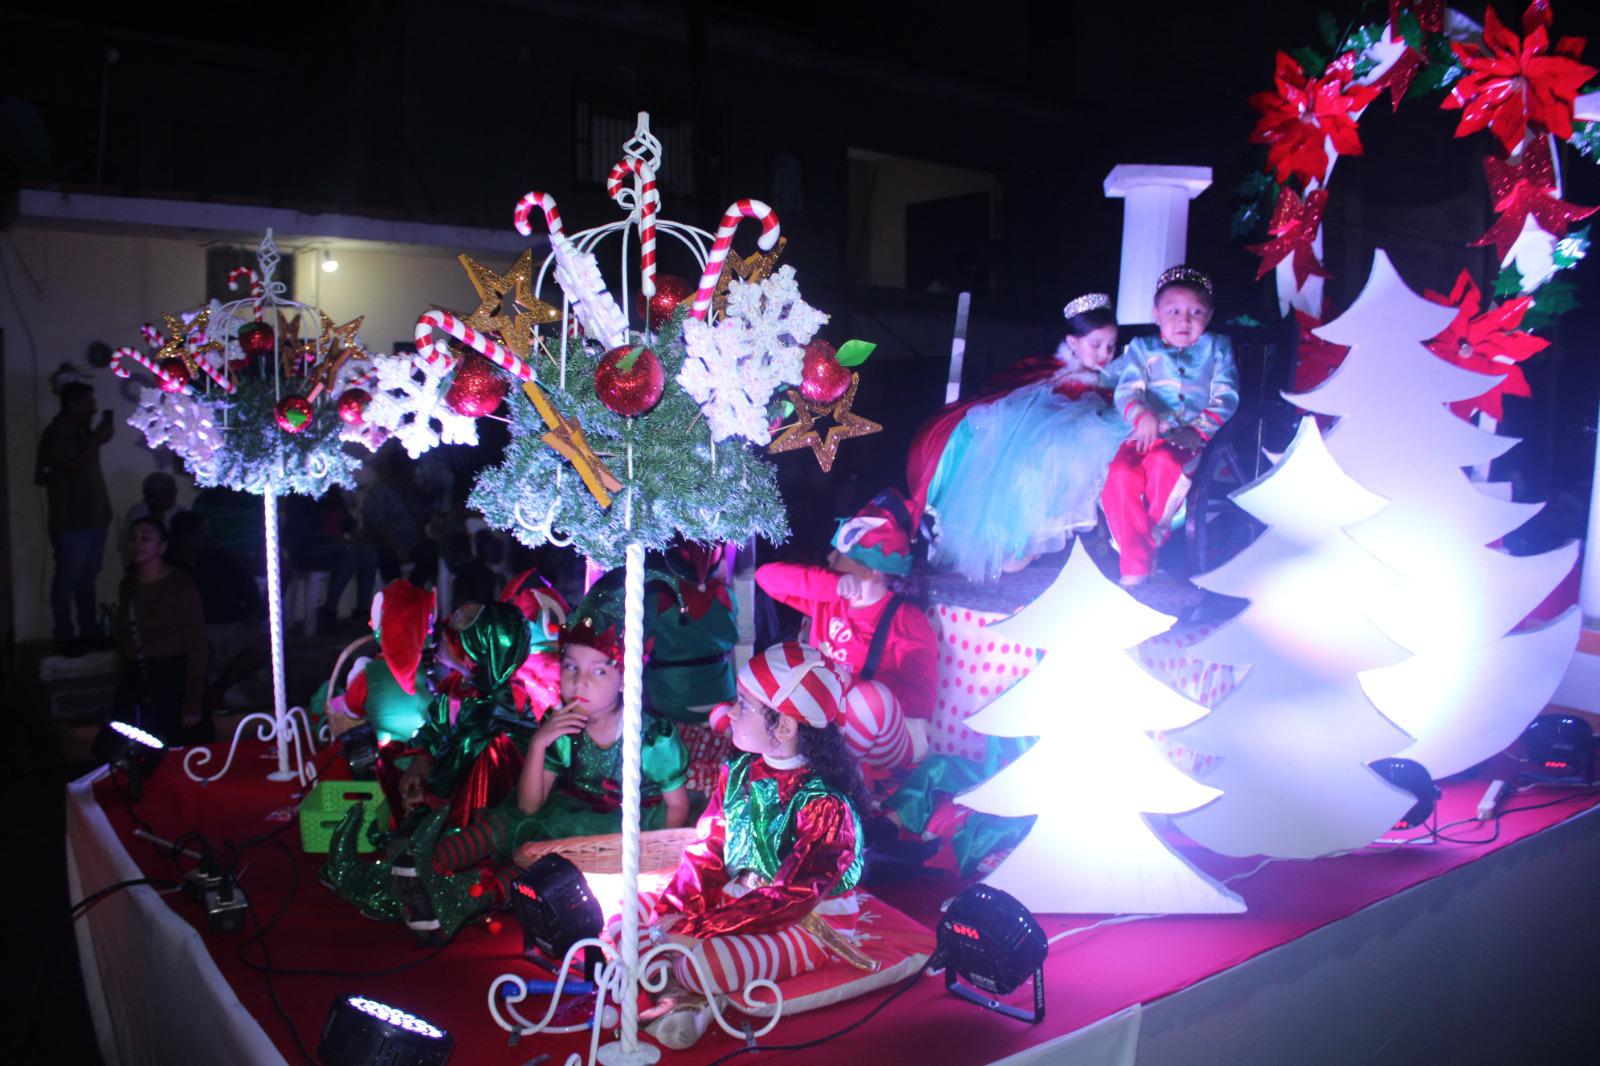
<point>407,402</point>
<point>579,277</point>
<point>733,369</point>
<point>180,422</point>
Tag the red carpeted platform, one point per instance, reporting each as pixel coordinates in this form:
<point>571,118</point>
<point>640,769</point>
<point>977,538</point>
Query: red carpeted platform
<point>1090,975</point>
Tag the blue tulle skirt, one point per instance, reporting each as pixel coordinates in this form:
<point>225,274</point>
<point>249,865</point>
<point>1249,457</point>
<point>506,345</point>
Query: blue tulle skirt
<point>1019,476</point>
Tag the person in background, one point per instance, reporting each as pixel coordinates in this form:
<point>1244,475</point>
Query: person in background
<point>325,535</point>
<point>161,636</point>
<point>78,509</point>
<point>235,521</point>
<point>391,524</point>
<point>158,499</point>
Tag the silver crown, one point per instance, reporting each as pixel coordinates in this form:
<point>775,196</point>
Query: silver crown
<point>1089,301</point>
<point>1185,275</point>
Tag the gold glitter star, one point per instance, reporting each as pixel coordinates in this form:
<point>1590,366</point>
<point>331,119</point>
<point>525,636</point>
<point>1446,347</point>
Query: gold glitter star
<point>752,268</point>
<point>514,329</point>
<point>338,346</point>
<point>803,433</point>
<point>566,438</point>
<point>177,343</point>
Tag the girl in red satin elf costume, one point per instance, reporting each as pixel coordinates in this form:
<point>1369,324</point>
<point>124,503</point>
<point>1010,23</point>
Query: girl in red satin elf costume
<point>768,891</point>
<point>882,643</point>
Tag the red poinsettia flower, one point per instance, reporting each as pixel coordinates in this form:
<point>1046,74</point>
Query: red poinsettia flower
<point>1487,343</point>
<point>1315,359</point>
<point>1513,83</point>
<point>1305,113</point>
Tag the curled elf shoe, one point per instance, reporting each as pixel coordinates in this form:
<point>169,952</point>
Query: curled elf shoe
<point>436,904</point>
<point>362,882</point>
<point>682,1026</point>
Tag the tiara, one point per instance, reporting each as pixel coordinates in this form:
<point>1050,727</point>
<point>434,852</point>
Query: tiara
<point>1184,275</point>
<point>1089,301</point>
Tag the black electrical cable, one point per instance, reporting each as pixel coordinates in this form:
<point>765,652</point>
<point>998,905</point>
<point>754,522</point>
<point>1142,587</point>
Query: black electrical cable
<point>266,953</point>
<point>95,897</point>
<point>858,1023</point>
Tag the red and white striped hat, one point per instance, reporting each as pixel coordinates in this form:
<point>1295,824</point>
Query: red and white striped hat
<point>797,681</point>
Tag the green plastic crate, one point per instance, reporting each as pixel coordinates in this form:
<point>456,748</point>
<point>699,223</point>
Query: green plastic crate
<point>324,808</point>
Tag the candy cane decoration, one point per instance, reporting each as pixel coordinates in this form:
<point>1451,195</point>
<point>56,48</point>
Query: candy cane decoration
<point>741,209</point>
<point>152,336</point>
<point>218,374</point>
<point>257,290</point>
<point>437,356</point>
<point>145,361</point>
<point>544,202</point>
<point>651,197</point>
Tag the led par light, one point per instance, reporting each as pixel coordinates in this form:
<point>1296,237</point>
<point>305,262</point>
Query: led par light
<point>360,746</point>
<point>989,939</point>
<point>129,749</point>
<point>1410,776</point>
<point>364,1032</point>
<point>1560,748</point>
<point>556,909</point>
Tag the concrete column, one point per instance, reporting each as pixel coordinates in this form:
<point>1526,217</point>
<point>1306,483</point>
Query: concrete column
<point>1155,228</point>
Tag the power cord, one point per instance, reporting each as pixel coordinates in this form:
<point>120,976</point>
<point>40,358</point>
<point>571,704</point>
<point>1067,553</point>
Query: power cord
<point>82,906</point>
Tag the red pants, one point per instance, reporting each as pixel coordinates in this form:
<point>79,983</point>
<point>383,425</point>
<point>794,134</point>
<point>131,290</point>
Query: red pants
<point>1142,494</point>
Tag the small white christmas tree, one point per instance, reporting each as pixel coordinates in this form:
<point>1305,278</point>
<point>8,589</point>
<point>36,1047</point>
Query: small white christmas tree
<point>1295,738</point>
<point>1470,689</point>
<point>1094,772</point>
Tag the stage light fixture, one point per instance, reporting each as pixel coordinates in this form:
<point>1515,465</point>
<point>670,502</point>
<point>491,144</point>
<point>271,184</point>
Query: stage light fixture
<point>1560,748</point>
<point>556,909</point>
<point>364,1032</point>
<point>989,939</point>
<point>360,746</point>
<point>1410,776</point>
<point>130,749</point>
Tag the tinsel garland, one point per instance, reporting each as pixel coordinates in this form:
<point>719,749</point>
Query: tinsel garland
<point>313,461</point>
<point>674,490</point>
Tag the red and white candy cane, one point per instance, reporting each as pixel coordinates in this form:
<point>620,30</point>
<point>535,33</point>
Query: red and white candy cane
<point>256,290</point>
<point>143,360</point>
<point>544,202</point>
<point>438,358</point>
<point>651,203</point>
<point>214,370</point>
<point>741,209</point>
<point>152,336</point>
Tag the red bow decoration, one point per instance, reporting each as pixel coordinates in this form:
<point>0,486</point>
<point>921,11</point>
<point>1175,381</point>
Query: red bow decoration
<point>1315,359</point>
<point>1489,343</point>
<point>697,599</point>
<point>1513,83</point>
<point>1527,187</point>
<point>1304,113</point>
<point>1294,226</point>
<point>1397,79</point>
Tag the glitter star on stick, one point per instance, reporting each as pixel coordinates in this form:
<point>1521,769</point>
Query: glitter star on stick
<point>757,266</point>
<point>803,432</point>
<point>566,437</point>
<point>338,345</point>
<point>177,342</point>
<point>497,293</point>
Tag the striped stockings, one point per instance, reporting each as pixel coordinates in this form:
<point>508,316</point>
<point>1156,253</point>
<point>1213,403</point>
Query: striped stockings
<point>875,727</point>
<point>734,961</point>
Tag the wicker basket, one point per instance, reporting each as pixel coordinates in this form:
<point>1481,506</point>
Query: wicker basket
<point>659,849</point>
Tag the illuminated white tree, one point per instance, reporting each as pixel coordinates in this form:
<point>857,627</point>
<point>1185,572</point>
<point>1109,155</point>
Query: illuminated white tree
<point>1294,739</point>
<point>1470,689</point>
<point>1094,773</point>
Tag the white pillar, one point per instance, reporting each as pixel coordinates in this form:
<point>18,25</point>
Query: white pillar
<point>1155,228</point>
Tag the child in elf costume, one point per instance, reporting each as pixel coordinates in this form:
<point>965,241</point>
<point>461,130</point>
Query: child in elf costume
<point>1175,390</point>
<point>883,644</point>
<point>390,691</point>
<point>692,628</point>
<point>768,891</point>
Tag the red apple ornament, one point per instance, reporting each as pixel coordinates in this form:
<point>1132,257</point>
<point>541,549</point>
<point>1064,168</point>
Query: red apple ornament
<point>629,380</point>
<point>822,378</point>
<point>293,413</point>
<point>671,290</point>
<point>477,389</point>
<point>255,339</point>
<point>352,405</point>
<point>177,374</point>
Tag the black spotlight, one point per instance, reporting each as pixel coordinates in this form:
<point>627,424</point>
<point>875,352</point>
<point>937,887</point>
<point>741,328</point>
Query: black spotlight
<point>360,746</point>
<point>988,938</point>
<point>364,1032</point>
<point>556,910</point>
<point>129,749</point>
<point>1560,749</point>
<point>1412,777</point>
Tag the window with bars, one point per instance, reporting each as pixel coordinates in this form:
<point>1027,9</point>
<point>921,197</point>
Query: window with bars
<point>601,130</point>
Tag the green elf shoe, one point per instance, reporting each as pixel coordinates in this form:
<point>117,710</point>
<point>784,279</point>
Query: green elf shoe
<point>435,904</point>
<point>358,881</point>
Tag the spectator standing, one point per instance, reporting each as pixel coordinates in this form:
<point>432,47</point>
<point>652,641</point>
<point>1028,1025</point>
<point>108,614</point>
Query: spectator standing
<point>78,509</point>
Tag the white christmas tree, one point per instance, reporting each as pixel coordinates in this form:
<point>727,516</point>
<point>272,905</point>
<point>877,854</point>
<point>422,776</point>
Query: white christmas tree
<point>1471,688</point>
<point>1295,738</point>
<point>1094,772</point>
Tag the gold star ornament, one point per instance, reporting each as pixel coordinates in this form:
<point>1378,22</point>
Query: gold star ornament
<point>825,446</point>
<point>757,266</point>
<point>177,343</point>
<point>507,307</point>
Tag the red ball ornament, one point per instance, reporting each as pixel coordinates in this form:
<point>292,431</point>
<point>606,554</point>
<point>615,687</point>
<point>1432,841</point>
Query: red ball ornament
<point>629,380</point>
<point>671,291</point>
<point>255,339</point>
<point>477,389</point>
<point>352,406</point>
<point>822,378</point>
<point>177,374</point>
<point>293,413</point>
